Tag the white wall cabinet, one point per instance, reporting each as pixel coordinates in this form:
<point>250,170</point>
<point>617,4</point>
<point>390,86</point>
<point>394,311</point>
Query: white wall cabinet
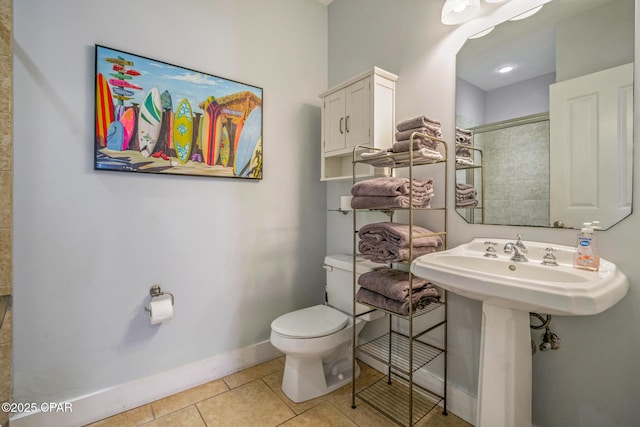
<point>360,111</point>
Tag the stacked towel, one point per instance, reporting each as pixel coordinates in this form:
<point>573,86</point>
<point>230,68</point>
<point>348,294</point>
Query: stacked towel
<point>388,242</point>
<point>463,142</point>
<point>463,136</point>
<point>466,196</point>
<point>389,289</point>
<point>388,158</point>
<point>391,192</point>
<point>420,124</point>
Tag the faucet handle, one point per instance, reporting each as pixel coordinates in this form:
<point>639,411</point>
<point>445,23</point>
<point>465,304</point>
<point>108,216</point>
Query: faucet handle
<point>550,258</point>
<point>520,243</point>
<point>491,250</point>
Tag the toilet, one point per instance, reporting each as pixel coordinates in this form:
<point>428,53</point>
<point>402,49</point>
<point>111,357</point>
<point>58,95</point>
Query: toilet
<point>317,340</point>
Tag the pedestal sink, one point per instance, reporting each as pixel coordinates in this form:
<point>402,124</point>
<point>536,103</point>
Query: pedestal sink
<point>509,291</point>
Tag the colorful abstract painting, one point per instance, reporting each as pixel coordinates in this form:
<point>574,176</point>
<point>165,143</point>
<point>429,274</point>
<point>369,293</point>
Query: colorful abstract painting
<point>156,117</point>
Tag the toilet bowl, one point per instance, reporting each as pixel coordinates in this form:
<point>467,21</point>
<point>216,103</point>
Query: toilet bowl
<point>318,360</point>
<point>317,340</point>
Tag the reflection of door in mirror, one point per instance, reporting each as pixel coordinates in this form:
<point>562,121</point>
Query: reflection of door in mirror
<point>591,166</point>
<point>565,40</point>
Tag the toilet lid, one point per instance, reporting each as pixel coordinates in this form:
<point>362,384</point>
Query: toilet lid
<point>310,322</point>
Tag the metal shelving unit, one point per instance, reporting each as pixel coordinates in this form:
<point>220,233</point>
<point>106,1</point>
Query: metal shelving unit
<point>397,396</point>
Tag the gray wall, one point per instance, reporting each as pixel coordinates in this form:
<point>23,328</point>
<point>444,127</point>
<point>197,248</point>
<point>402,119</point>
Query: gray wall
<point>594,379</point>
<point>88,245</point>
<point>519,99</point>
<point>604,40</point>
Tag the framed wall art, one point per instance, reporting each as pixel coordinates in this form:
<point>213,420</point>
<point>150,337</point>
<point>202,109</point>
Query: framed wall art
<point>154,117</point>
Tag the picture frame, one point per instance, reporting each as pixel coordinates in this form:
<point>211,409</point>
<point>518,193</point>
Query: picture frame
<point>155,117</point>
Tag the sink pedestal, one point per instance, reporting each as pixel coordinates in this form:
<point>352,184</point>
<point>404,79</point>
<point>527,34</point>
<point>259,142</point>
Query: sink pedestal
<point>504,386</point>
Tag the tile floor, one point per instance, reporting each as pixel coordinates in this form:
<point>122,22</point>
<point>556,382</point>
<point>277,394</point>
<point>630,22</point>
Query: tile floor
<point>252,397</point>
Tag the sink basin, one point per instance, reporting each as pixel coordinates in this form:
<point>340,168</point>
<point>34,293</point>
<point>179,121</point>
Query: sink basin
<point>528,286</point>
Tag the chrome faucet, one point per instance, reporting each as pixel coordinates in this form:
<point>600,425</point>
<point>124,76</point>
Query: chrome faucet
<point>519,250</point>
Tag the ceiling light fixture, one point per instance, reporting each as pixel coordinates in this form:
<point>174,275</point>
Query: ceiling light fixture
<point>527,13</point>
<point>482,33</point>
<point>506,69</point>
<point>495,1</point>
<point>456,12</point>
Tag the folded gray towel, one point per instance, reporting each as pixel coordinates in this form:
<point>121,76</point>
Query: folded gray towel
<point>416,122</point>
<point>463,197</point>
<point>390,202</point>
<point>462,186</point>
<point>420,156</point>
<point>463,152</point>
<point>418,143</point>
<point>465,132</point>
<point>386,252</point>
<point>389,186</point>
<point>398,234</point>
<point>466,203</point>
<point>427,130</point>
<point>421,300</point>
<point>391,283</point>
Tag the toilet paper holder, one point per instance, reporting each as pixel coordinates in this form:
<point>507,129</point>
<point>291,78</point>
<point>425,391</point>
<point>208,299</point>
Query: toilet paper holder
<point>155,292</point>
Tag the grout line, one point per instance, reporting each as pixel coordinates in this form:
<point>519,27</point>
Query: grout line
<point>200,414</point>
<point>153,413</point>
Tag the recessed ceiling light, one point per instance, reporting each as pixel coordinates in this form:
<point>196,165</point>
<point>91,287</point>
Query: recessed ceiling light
<point>505,69</point>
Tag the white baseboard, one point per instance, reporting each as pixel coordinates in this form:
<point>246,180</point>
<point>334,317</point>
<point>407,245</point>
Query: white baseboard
<point>113,400</point>
<point>459,401</point>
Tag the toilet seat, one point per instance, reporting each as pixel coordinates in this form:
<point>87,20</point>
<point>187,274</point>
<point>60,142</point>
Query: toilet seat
<point>310,322</point>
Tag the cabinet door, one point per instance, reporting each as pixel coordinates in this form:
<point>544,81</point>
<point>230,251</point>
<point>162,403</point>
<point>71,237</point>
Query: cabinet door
<point>334,121</point>
<point>358,113</point>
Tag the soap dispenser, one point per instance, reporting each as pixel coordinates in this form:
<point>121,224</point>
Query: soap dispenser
<point>587,256</point>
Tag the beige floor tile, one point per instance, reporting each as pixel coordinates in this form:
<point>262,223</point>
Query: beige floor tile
<point>436,419</point>
<point>253,404</point>
<point>188,397</point>
<point>5,261</point>
<point>5,372</point>
<point>131,418</point>
<point>5,331</point>
<point>187,417</point>
<point>325,414</point>
<point>345,393</point>
<point>252,374</point>
<point>5,198</point>
<point>6,140</point>
<point>364,415</point>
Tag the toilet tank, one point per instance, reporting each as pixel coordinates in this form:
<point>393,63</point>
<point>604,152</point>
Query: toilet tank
<point>340,281</point>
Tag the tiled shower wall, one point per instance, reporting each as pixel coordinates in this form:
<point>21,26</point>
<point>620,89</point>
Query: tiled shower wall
<point>6,167</point>
<point>517,192</point>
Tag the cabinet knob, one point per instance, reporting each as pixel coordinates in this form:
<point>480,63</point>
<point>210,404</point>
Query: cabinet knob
<point>341,120</point>
<point>346,124</point>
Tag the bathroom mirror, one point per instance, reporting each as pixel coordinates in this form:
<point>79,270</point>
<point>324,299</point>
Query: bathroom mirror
<point>550,142</point>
